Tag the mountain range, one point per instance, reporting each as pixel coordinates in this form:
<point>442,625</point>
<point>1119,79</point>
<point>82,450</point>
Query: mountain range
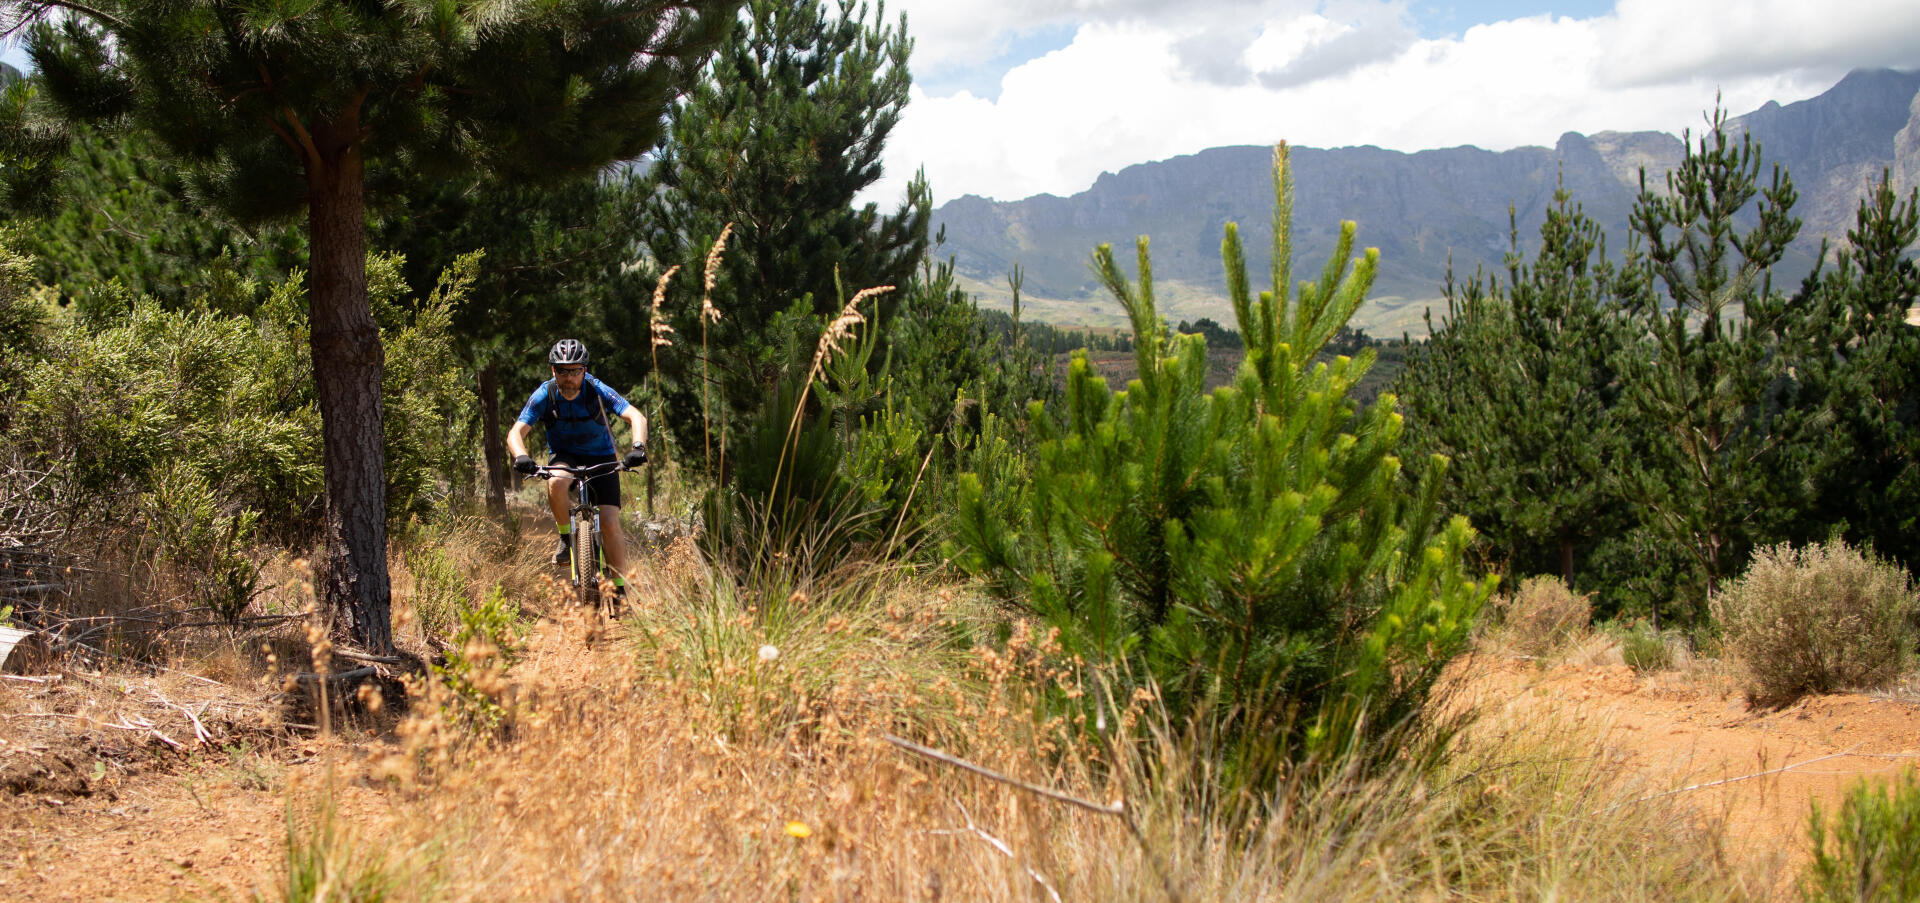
<point>1420,209</point>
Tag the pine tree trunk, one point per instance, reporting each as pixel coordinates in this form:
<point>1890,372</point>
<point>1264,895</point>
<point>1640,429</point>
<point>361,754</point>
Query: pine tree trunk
<point>493,442</point>
<point>347,364</point>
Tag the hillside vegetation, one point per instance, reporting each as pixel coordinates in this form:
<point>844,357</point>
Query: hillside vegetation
<point>917,608</point>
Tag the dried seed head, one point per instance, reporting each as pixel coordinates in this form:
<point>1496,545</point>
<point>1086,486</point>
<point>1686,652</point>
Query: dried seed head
<point>659,327</point>
<point>842,326</point>
<point>707,310</point>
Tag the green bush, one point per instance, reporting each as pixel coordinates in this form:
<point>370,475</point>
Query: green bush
<point>1254,553</point>
<point>1875,851</point>
<point>1542,615</point>
<point>1817,619</point>
<point>486,645</point>
<point>207,542</point>
<point>424,389</point>
<point>439,591</point>
<point>1644,647</point>
<point>231,398</point>
<point>23,323</point>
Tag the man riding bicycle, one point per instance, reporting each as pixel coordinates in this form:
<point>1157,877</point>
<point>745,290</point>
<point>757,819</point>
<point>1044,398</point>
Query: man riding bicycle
<point>574,407</point>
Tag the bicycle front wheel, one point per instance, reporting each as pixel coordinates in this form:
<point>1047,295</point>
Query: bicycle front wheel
<point>586,559</point>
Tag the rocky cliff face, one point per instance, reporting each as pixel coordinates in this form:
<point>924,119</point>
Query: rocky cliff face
<point>1421,209</point>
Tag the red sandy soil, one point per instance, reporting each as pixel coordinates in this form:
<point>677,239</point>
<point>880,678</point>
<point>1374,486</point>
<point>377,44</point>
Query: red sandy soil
<point>116,815</point>
<point>1692,734</point>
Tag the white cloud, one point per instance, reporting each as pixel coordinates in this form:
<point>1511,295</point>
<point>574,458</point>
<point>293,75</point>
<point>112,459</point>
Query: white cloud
<point>1130,88</point>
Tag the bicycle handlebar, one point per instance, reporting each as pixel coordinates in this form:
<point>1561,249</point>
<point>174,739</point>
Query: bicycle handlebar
<point>549,471</point>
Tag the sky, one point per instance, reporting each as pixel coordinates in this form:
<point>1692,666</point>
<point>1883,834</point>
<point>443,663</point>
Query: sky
<point>1020,97</point>
<point>1014,98</point>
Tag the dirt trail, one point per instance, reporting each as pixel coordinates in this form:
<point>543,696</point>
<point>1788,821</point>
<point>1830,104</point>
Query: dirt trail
<point>211,823</point>
<point>1694,731</point>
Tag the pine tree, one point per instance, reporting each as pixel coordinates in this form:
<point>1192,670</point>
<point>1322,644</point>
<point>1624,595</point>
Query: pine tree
<point>1712,481</point>
<point>279,110</point>
<point>786,128</point>
<point>1254,552</point>
<point>1518,387</point>
<point>126,214</point>
<point>1854,353</point>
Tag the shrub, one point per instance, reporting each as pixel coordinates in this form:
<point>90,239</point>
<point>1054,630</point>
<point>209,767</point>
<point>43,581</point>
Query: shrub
<point>1875,854</point>
<point>1542,615</point>
<point>1817,619</point>
<point>476,666</point>
<point>1644,647</point>
<point>23,322</point>
<point>1254,554</point>
<point>127,403</point>
<point>205,540</point>
<point>439,592</point>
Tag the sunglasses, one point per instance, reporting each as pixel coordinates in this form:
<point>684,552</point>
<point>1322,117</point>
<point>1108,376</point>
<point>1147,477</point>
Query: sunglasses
<point>569,371</point>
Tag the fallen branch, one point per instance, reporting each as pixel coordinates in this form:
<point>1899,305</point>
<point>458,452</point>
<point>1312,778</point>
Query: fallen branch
<point>1000,845</point>
<point>128,723</point>
<point>1117,809</point>
<point>1723,781</point>
<point>342,677</point>
<point>199,731</point>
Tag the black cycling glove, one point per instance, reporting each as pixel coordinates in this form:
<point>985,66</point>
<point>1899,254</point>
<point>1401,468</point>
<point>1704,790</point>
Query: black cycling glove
<point>524,464</point>
<point>637,456</point>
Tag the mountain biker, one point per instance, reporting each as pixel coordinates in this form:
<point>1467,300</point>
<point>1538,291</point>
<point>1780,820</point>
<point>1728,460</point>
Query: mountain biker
<point>574,406</point>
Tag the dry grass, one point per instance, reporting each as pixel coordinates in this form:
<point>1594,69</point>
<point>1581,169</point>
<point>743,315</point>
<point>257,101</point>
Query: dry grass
<point>728,742</point>
<point>731,746</point>
<point>1542,617</point>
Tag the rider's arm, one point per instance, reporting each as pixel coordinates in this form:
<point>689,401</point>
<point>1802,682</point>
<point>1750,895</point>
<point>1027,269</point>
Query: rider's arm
<point>517,438</point>
<point>637,422</point>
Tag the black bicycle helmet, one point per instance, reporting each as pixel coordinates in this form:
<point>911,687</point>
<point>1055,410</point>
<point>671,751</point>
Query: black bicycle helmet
<point>567,351</point>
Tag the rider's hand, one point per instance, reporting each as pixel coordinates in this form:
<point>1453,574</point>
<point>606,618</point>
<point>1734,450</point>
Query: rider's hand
<point>637,456</point>
<point>524,464</point>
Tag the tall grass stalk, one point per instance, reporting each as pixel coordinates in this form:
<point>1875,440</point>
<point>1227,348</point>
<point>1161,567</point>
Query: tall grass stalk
<point>661,337</point>
<point>710,314</point>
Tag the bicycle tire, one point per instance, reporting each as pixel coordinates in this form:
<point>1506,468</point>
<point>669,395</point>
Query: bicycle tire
<point>586,572</point>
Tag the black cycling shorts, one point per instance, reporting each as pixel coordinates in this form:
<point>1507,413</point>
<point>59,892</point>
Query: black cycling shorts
<point>605,487</point>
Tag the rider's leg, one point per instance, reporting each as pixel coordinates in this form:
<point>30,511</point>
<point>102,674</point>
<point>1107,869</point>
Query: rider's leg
<point>562,519</point>
<point>614,541</point>
<point>557,500</point>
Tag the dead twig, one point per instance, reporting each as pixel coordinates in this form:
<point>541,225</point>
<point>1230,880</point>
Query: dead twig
<point>1118,808</point>
<point>199,730</point>
<point>1733,780</point>
<point>344,676</point>
<point>1000,845</point>
<point>130,723</point>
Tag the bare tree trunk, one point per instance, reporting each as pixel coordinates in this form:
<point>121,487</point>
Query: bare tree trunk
<point>493,442</point>
<point>347,364</point>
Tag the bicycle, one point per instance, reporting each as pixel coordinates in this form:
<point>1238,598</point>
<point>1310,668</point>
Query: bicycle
<point>589,558</point>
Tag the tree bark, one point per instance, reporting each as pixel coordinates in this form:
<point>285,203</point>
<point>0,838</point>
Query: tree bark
<point>493,442</point>
<point>348,361</point>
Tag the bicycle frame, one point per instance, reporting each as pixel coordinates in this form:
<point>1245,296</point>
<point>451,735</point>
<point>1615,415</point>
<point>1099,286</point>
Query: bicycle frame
<point>589,557</point>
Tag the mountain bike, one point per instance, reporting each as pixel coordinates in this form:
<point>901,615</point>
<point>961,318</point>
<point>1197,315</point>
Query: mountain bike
<point>589,558</point>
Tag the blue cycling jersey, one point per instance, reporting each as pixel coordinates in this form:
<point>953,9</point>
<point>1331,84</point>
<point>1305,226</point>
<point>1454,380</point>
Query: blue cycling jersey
<point>577,425</point>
